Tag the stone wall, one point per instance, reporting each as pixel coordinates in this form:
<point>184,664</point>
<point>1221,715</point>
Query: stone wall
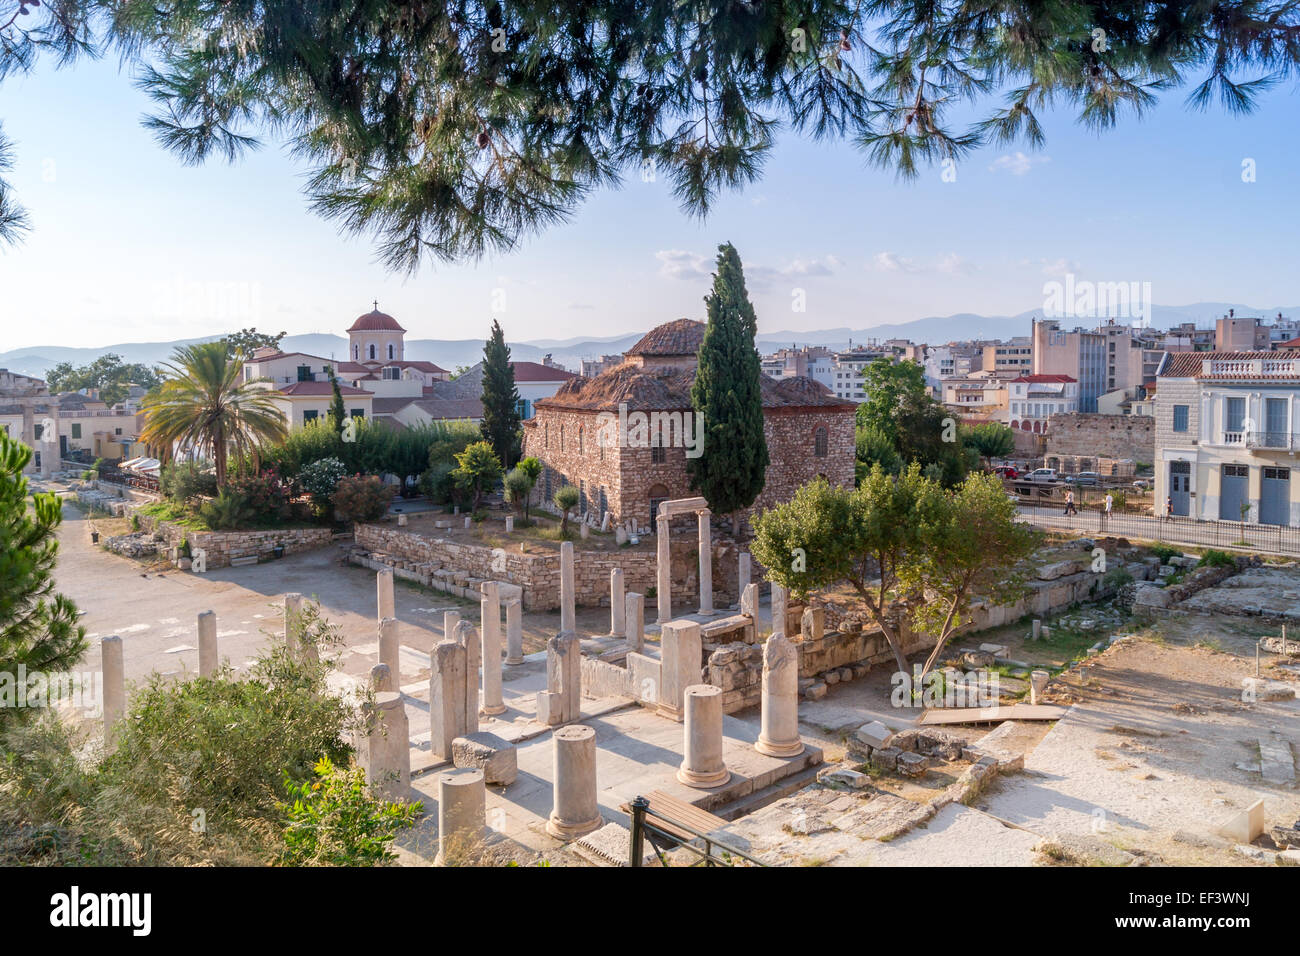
<point>565,441</point>
<point>221,546</point>
<point>459,568</point>
<point>1102,436</point>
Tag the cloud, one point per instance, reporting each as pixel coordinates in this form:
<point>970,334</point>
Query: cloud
<point>954,264</point>
<point>1017,163</point>
<point>893,262</point>
<point>1057,267</point>
<point>809,267</point>
<point>680,264</point>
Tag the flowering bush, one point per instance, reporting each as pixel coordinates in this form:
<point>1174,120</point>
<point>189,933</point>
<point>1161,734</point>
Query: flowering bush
<point>320,478</point>
<point>266,494</point>
<point>362,498</point>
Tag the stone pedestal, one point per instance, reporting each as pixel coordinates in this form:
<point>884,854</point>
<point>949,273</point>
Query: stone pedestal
<point>812,624</point>
<point>702,767</point>
<point>680,656</point>
<point>1037,629</point>
<point>388,753</point>
<point>114,693</point>
<point>467,637</point>
<point>568,606</point>
<point>634,622</point>
<point>449,621</point>
<point>490,627</point>
<point>575,811</point>
<point>779,736</point>
<point>663,570</point>
<point>384,588</point>
<point>514,632</point>
<point>462,814</point>
<point>208,644</point>
<point>617,604</point>
<point>510,524</point>
<point>447,697</point>
<point>749,602</point>
<point>390,653</point>
<point>706,561</point>
<point>780,601</point>
<point>744,572</point>
<point>1037,685</point>
<point>293,622</point>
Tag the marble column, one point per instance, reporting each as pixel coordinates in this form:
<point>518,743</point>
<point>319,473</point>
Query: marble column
<point>664,569</point>
<point>293,622</point>
<point>1037,685</point>
<point>29,434</point>
<point>207,643</point>
<point>388,764</point>
<point>50,441</point>
<point>462,813</point>
<point>702,767</point>
<point>680,658</point>
<point>449,621</point>
<point>706,561</point>
<point>568,608</point>
<point>634,624</point>
<point>617,604</point>
<point>779,722</point>
<point>446,697</point>
<point>490,628</point>
<point>384,587</point>
<point>467,637</point>
<point>514,632</point>
<point>390,653</point>
<point>749,601</point>
<point>780,599</point>
<point>114,692</point>
<point>744,572</point>
<point>562,699</point>
<point>575,811</point>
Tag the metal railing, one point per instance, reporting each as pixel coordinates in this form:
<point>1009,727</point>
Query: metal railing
<point>662,840</point>
<point>1284,441</point>
<point>1179,529</point>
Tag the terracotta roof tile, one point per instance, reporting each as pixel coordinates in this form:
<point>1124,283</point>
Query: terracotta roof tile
<point>681,337</point>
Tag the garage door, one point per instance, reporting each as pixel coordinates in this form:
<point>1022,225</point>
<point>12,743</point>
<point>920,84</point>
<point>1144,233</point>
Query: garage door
<point>1275,497</point>
<point>1233,489</point>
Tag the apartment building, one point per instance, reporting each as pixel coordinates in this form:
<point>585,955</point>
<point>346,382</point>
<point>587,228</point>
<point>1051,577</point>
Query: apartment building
<point>1111,356</point>
<point>1033,399</point>
<point>1014,355</point>
<point>1227,433</point>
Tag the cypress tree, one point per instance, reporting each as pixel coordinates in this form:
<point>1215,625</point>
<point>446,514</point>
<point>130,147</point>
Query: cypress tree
<point>500,425</point>
<point>337,411</point>
<point>733,468</point>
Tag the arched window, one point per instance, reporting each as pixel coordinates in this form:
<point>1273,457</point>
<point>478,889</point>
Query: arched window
<point>372,350</point>
<point>356,353</point>
<point>561,438</point>
<point>820,441</point>
<point>579,439</point>
<point>390,351</point>
<point>546,435</point>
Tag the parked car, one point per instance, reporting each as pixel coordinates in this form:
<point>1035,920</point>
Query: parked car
<point>1041,474</point>
<point>1084,478</point>
<point>1006,471</point>
<point>1142,483</point>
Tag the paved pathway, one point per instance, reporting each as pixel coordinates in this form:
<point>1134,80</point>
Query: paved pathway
<point>1272,539</point>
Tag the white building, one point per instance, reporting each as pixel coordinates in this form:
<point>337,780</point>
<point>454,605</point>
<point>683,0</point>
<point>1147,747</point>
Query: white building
<point>1033,399</point>
<point>1227,434</point>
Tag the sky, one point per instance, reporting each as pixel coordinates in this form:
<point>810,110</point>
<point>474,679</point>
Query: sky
<point>130,245</point>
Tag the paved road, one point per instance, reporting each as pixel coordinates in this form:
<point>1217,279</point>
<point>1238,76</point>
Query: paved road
<point>1271,539</point>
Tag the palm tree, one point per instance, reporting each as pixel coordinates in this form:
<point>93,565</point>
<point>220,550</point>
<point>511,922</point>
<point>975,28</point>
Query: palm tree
<point>204,404</point>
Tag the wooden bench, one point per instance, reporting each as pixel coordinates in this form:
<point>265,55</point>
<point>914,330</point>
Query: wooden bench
<point>689,814</point>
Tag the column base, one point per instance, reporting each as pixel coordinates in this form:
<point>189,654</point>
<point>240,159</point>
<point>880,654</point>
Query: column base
<point>492,711</point>
<point>571,831</point>
<point>703,781</point>
<point>773,749</point>
<point>513,662</point>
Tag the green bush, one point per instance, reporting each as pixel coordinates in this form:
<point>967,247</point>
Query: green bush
<point>206,772</point>
<point>228,511</point>
<point>1164,552</point>
<point>320,479</point>
<point>1216,559</point>
<point>182,480</point>
<point>335,820</point>
<point>362,498</point>
<point>265,493</point>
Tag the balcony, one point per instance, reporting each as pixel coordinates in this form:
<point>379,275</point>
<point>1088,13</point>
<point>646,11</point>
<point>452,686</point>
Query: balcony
<point>1271,441</point>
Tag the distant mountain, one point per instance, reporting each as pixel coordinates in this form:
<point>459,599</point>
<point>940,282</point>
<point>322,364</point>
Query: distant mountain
<point>450,353</point>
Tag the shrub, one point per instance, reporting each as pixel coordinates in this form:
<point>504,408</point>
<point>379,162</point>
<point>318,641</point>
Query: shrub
<point>182,480</point>
<point>1216,559</point>
<point>477,470</point>
<point>266,494</point>
<point>519,486</point>
<point>438,483</point>
<point>320,479</point>
<point>1164,552</point>
<point>226,512</point>
<point>336,821</point>
<point>362,498</point>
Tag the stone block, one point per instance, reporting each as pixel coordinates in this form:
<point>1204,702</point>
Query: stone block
<point>913,764</point>
<point>487,752</point>
<point>886,758</point>
<point>815,692</point>
<point>875,735</point>
<point>845,776</point>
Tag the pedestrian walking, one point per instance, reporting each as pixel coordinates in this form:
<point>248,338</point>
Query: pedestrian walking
<point>1109,503</point>
<point>1169,509</point>
<point>1070,509</point>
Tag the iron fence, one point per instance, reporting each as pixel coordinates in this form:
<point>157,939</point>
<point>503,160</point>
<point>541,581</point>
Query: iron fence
<point>1267,538</point>
<point>664,833</point>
